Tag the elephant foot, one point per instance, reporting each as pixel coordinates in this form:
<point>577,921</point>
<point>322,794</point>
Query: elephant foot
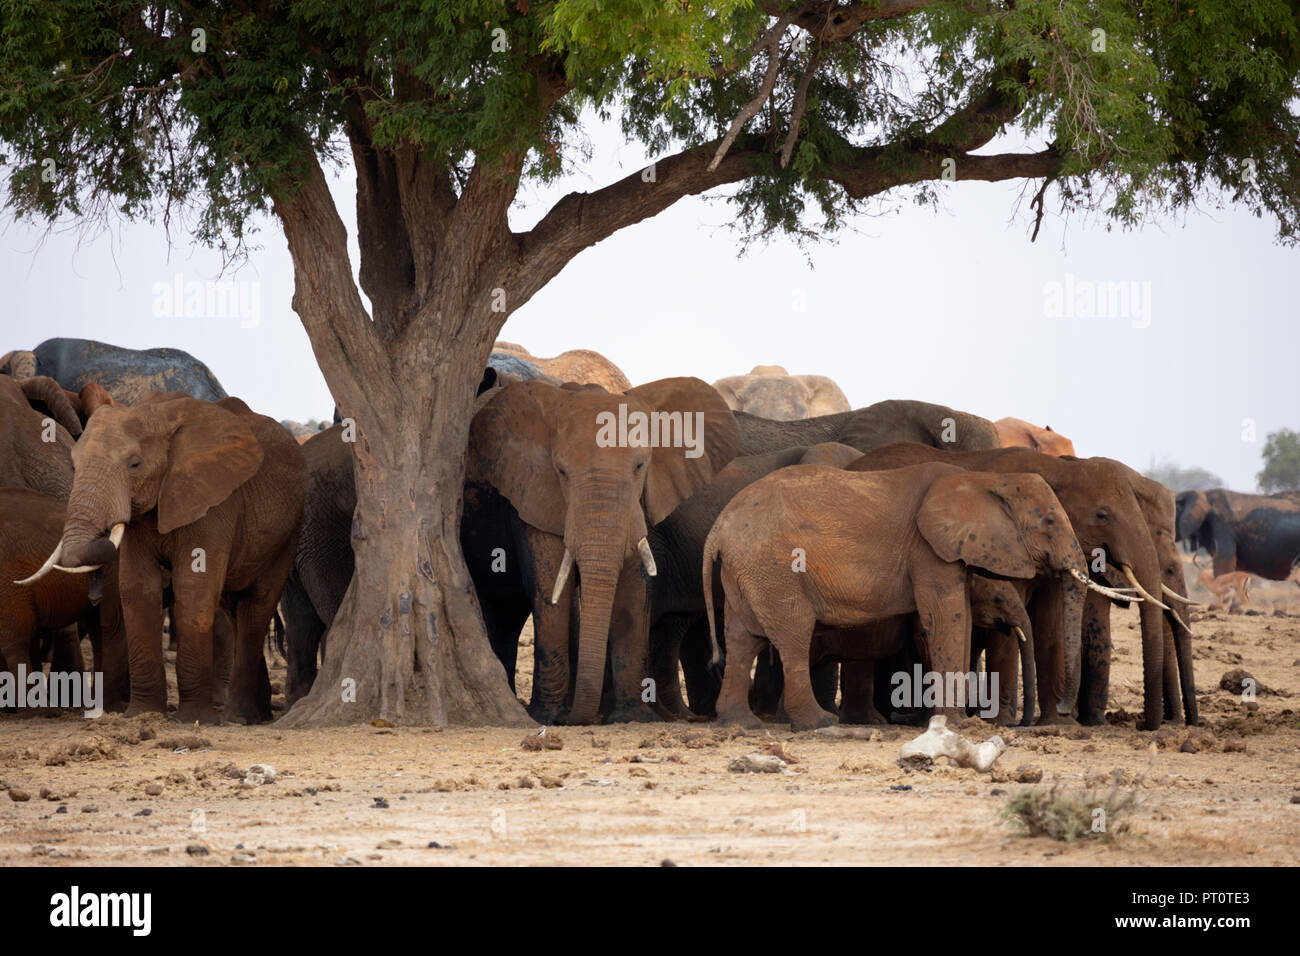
<point>813,722</point>
<point>249,711</point>
<point>188,713</point>
<point>740,718</point>
<point>857,716</point>
<point>1005,719</point>
<point>1089,719</point>
<point>147,706</point>
<point>548,715</point>
<point>632,713</point>
<point>1050,717</point>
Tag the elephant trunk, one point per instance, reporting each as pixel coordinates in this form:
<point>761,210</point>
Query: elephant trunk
<point>599,580</point>
<point>1153,652</point>
<point>1024,632</point>
<point>99,503</point>
<point>1073,594</point>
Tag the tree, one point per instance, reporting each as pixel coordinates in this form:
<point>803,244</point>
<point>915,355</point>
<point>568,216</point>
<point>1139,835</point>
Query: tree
<point>1281,455</point>
<point>810,108</point>
<point>1177,478</point>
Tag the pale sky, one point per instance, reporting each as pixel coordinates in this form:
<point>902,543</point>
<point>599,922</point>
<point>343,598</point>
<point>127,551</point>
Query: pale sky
<point>954,306</point>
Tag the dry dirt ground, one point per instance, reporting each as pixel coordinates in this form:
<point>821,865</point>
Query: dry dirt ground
<point>147,791</point>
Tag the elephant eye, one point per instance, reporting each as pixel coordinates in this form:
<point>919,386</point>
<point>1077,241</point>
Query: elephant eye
<point>1103,515</point>
<point>640,466</point>
<point>134,463</point>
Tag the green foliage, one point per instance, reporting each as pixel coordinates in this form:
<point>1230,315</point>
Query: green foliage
<point>1186,102</point>
<point>1176,478</point>
<point>1281,455</point>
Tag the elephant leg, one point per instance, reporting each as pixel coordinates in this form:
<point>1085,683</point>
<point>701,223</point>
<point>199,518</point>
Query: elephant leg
<point>1094,686</point>
<point>629,647</point>
<point>1049,647</point>
<point>826,683</point>
<point>250,685</point>
<point>742,648</point>
<point>142,615</point>
<point>505,619</point>
<point>703,681</point>
<point>665,657</point>
<point>943,624</point>
<point>65,653</point>
<point>303,632</point>
<point>857,693</point>
<point>1001,655</point>
<point>551,672</point>
<point>192,622</point>
<point>223,656</point>
<point>790,629</point>
<point>767,693</point>
<point>1173,696</point>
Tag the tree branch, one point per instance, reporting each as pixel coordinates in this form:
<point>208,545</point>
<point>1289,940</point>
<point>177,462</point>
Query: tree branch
<point>773,42</point>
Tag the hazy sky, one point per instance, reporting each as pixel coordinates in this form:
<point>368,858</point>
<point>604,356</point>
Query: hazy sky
<point>954,306</point>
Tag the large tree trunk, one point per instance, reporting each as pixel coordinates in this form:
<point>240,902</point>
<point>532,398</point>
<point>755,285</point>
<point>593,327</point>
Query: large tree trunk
<point>408,643</point>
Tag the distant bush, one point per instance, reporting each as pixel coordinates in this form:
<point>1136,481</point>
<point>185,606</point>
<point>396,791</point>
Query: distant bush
<point>1177,478</point>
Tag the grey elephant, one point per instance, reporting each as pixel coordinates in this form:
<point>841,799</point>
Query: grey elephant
<point>772,392</point>
<point>127,374</point>
<point>866,429</point>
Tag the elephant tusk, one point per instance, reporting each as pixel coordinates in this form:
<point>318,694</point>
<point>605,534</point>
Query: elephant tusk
<point>560,579</point>
<point>1132,578</point>
<point>44,569</point>
<point>1109,592</point>
<point>114,538</point>
<point>1175,596</point>
<point>1181,622</point>
<point>647,557</point>
<point>1019,633</point>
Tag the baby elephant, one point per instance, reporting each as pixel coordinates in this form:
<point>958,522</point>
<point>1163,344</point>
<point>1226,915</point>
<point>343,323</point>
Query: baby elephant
<point>812,545</point>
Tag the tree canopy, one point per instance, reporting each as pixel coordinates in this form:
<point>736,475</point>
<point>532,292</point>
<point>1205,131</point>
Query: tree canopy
<point>144,107</point>
<point>1281,454</point>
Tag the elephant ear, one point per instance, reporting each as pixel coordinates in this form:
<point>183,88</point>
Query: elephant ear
<point>212,452</point>
<point>18,363</point>
<point>510,449</point>
<point>964,518</point>
<point>45,394</point>
<point>676,473</point>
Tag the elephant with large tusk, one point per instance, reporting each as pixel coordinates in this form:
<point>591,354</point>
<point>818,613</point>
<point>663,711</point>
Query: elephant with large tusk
<point>583,473</point>
<point>210,490</point>
<point>1099,498</point>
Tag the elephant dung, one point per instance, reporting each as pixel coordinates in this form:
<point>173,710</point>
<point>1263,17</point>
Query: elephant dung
<point>939,741</point>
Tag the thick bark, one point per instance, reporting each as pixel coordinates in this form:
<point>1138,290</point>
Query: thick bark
<point>408,643</point>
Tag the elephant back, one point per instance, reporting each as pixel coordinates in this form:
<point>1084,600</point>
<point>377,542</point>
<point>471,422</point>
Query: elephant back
<point>899,420</point>
<point>127,374</point>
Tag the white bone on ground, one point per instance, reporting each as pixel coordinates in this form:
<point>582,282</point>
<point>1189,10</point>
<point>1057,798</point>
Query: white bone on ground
<point>939,741</point>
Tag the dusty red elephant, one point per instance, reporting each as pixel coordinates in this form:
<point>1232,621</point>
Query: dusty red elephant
<point>1015,433</point>
<point>214,492</point>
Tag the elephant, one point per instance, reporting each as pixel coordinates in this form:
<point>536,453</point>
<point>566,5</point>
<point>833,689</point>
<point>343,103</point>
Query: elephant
<point>60,605</point>
<point>126,374</point>
<point>586,473</point>
<point>323,562</point>
<point>814,545</point>
<point>37,428</point>
<point>1015,433</point>
<point>673,614</point>
<point>1242,532</point>
<point>772,392</point>
<point>1158,508</point>
<point>1098,497</point>
<point>1000,628</point>
<point>867,429</point>
<point>581,366</point>
<point>212,491</point>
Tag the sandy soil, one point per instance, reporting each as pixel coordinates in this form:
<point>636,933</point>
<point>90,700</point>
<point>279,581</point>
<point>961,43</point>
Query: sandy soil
<point>150,792</point>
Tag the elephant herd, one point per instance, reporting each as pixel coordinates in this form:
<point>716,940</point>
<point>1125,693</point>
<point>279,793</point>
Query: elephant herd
<point>679,555</point>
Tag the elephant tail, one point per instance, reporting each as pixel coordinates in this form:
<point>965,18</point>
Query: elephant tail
<point>711,549</point>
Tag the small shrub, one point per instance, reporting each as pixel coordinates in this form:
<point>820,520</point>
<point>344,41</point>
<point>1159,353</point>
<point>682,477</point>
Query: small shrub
<point>1070,815</point>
